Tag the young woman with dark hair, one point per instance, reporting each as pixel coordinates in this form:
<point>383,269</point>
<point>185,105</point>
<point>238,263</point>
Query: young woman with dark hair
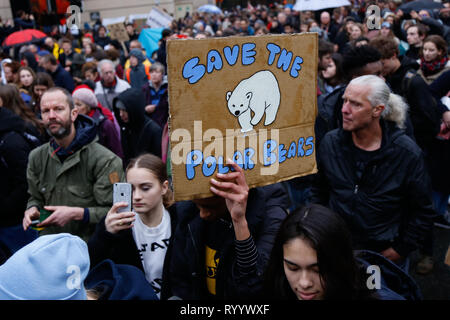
<point>42,83</point>
<point>312,259</point>
<point>433,58</point>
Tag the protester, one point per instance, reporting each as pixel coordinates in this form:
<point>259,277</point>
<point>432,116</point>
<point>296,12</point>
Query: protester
<point>222,244</point>
<point>110,86</point>
<point>137,75</point>
<point>10,98</point>
<point>14,151</point>
<point>433,58</point>
<point>71,176</point>
<point>312,259</point>
<point>375,161</point>
<point>141,238</point>
<point>60,77</point>
<point>87,104</point>
<point>139,133</point>
<point>42,83</point>
<point>52,267</point>
<point>156,94</point>
<point>26,79</point>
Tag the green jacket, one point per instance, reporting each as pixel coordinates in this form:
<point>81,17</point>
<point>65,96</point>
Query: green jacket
<point>85,179</point>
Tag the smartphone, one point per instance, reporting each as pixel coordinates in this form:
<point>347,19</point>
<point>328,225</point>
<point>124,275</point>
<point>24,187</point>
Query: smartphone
<point>34,224</point>
<point>122,193</point>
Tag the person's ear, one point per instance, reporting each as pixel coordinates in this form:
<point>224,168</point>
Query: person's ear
<point>165,187</point>
<point>74,114</point>
<point>377,110</point>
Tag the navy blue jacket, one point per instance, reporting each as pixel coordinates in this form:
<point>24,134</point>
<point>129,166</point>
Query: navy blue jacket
<point>63,79</point>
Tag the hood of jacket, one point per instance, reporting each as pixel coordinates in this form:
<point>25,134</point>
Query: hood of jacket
<point>138,54</point>
<point>119,282</point>
<point>86,132</point>
<point>9,121</point>
<point>134,102</point>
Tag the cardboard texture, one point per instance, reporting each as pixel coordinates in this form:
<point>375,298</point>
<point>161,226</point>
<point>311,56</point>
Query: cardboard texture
<point>118,32</point>
<point>250,99</point>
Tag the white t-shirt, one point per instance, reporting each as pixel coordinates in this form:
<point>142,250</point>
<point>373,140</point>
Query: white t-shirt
<point>152,244</point>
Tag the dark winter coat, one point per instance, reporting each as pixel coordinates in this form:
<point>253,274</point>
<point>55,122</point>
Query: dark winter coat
<point>385,204</point>
<point>266,209</point>
<point>140,134</point>
<point>14,151</point>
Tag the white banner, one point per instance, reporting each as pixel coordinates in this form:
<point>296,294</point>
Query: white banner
<point>108,21</point>
<point>158,19</point>
<point>314,5</point>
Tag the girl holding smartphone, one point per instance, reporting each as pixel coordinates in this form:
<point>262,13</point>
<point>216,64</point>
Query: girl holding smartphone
<point>140,237</point>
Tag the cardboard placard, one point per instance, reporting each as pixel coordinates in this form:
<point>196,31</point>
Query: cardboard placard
<point>249,99</point>
<point>118,32</point>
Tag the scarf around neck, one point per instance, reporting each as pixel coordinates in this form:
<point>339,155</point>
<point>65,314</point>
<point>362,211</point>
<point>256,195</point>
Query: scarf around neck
<point>432,67</point>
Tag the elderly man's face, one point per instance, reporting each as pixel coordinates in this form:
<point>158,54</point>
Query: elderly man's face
<point>357,110</point>
<point>108,73</point>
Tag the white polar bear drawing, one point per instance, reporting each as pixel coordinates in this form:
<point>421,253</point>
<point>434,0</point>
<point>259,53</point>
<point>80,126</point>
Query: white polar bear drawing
<point>259,93</point>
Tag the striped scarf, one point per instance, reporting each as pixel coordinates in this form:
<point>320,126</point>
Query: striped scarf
<point>432,67</point>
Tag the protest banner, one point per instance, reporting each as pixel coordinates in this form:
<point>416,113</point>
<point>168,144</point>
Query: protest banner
<point>158,19</point>
<point>118,32</point>
<point>249,99</point>
<point>314,5</point>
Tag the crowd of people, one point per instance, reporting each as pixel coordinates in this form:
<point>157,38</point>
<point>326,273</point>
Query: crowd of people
<point>80,112</point>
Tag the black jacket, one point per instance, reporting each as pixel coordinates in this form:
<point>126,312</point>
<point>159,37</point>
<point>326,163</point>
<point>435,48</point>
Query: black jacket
<point>266,209</point>
<point>141,134</point>
<point>121,248</point>
<point>388,202</point>
<point>14,150</point>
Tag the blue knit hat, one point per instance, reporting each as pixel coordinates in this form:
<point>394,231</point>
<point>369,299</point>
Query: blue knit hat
<point>52,267</point>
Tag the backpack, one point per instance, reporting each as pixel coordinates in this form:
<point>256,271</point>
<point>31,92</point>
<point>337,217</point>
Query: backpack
<point>433,121</point>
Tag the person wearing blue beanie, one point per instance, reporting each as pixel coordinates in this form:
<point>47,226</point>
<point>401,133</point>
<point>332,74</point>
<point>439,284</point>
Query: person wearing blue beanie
<point>111,281</point>
<point>52,267</point>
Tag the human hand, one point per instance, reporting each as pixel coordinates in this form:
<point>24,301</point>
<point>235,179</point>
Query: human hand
<point>391,254</point>
<point>414,15</point>
<point>446,119</point>
<point>62,215</point>
<point>150,108</point>
<point>115,222</point>
<point>234,189</point>
<point>30,215</point>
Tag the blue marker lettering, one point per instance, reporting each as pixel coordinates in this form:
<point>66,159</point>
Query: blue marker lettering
<point>268,154</point>
<point>214,61</point>
<point>248,53</point>
<point>193,71</point>
<point>274,50</point>
<point>193,159</point>
<point>209,166</point>
<point>309,142</point>
<point>300,152</point>
<point>231,55</point>
<point>292,149</point>
<point>296,66</point>
<point>284,60</point>
<point>248,154</point>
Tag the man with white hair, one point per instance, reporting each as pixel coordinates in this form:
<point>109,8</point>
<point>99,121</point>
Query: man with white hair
<point>110,85</point>
<point>374,175</point>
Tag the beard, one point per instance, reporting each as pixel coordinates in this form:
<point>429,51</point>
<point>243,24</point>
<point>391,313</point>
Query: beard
<point>64,130</point>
